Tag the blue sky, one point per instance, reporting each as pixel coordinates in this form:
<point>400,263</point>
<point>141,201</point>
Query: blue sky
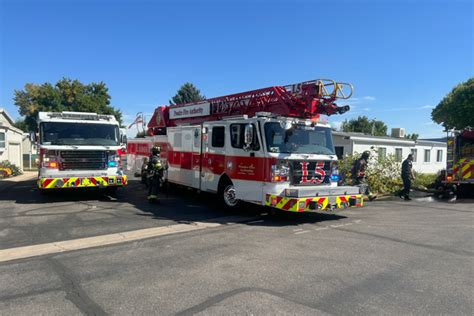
<point>401,56</point>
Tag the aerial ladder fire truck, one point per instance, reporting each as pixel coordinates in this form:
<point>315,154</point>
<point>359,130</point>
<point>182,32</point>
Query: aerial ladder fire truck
<point>267,146</point>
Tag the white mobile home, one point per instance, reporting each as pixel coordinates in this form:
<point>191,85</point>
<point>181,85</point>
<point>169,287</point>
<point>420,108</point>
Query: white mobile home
<point>429,156</point>
<point>11,139</point>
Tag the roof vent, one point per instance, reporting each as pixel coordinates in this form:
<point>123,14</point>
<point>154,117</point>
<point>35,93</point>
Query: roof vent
<point>398,132</point>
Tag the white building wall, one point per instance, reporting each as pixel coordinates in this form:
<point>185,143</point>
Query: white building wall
<point>359,146</point>
<point>431,166</point>
<point>12,151</point>
<point>360,143</point>
<point>346,144</point>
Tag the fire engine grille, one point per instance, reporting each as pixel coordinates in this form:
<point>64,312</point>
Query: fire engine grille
<point>83,160</point>
<point>317,172</point>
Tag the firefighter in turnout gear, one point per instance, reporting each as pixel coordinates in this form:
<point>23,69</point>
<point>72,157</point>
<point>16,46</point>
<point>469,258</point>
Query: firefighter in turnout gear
<point>358,175</point>
<point>154,174</point>
<point>407,176</point>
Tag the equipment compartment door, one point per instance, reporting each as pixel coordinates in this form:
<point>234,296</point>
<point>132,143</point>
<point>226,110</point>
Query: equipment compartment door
<point>183,167</point>
<point>196,156</point>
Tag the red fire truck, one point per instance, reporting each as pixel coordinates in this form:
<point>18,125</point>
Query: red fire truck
<point>460,162</point>
<point>267,146</point>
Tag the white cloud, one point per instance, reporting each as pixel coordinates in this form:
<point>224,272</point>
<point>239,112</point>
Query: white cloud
<point>369,98</point>
<point>427,107</point>
<point>366,109</point>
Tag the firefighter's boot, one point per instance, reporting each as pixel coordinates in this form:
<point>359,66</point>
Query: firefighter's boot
<point>152,198</point>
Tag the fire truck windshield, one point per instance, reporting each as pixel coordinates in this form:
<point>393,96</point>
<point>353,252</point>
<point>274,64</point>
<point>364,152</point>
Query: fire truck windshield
<point>298,139</point>
<point>61,133</point>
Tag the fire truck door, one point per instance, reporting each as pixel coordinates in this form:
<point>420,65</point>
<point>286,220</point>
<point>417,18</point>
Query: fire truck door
<point>213,155</point>
<point>245,167</point>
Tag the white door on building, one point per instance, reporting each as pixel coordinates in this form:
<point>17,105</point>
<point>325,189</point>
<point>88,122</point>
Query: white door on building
<point>14,154</point>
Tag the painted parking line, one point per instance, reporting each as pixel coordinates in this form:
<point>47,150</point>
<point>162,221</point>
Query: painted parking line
<point>302,232</point>
<point>111,239</point>
<point>257,221</point>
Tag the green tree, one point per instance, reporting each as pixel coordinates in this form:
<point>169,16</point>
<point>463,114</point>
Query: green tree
<point>21,124</point>
<point>187,93</point>
<point>457,107</point>
<point>413,136</point>
<point>141,134</point>
<point>362,124</point>
<point>65,95</point>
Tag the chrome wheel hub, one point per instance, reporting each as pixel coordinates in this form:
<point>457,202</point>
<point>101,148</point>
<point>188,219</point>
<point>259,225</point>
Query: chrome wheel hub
<point>229,196</point>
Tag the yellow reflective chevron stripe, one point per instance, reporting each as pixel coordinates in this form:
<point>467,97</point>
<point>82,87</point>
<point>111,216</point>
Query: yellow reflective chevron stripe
<point>75,182</point>
<point>303,204</point>
<point>466,168</point>
<point>51,184</point>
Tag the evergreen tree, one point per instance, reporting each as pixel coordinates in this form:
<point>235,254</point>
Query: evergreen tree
<point>187,93</point>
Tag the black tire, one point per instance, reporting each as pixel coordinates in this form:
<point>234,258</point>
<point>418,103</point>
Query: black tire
<point>111,190</point>
<point>227,195</point>
<point>465,191</point>
<point>44,192</point>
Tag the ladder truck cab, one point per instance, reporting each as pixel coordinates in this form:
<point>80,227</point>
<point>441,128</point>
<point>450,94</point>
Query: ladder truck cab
<point>266,146</point>
<point>79,150</point>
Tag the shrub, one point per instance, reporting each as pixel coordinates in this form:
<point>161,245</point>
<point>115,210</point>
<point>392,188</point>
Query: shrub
<point>8,165</point>
<point>383,175</point>
<point>424,180</point>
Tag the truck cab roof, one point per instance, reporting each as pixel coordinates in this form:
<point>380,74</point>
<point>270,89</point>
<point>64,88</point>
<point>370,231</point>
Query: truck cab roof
<point>76,117</point>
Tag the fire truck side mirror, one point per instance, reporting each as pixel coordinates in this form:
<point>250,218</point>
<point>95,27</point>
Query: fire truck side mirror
<point>123,139</point>
<point>249,135</point>
<point>33,137</point>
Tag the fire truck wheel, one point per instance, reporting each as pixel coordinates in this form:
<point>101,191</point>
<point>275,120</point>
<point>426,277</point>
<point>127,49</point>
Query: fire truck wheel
<point>111,191</point>
<point>44,192</point>
<point>465,191</point>
<point>227,195</point>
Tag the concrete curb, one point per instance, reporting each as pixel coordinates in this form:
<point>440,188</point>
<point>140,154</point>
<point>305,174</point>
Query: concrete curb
<point>24,252</point>
<point>11,182</point>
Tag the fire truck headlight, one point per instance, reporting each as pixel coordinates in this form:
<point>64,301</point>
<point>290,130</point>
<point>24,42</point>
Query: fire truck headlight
<point>280,172</point>
<point>114,159</point>
<point>49,159</point>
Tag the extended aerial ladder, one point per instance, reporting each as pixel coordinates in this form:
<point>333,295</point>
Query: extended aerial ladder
<point>307,99</point>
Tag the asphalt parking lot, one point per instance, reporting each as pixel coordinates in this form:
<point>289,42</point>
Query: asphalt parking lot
<point>389,257</point>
